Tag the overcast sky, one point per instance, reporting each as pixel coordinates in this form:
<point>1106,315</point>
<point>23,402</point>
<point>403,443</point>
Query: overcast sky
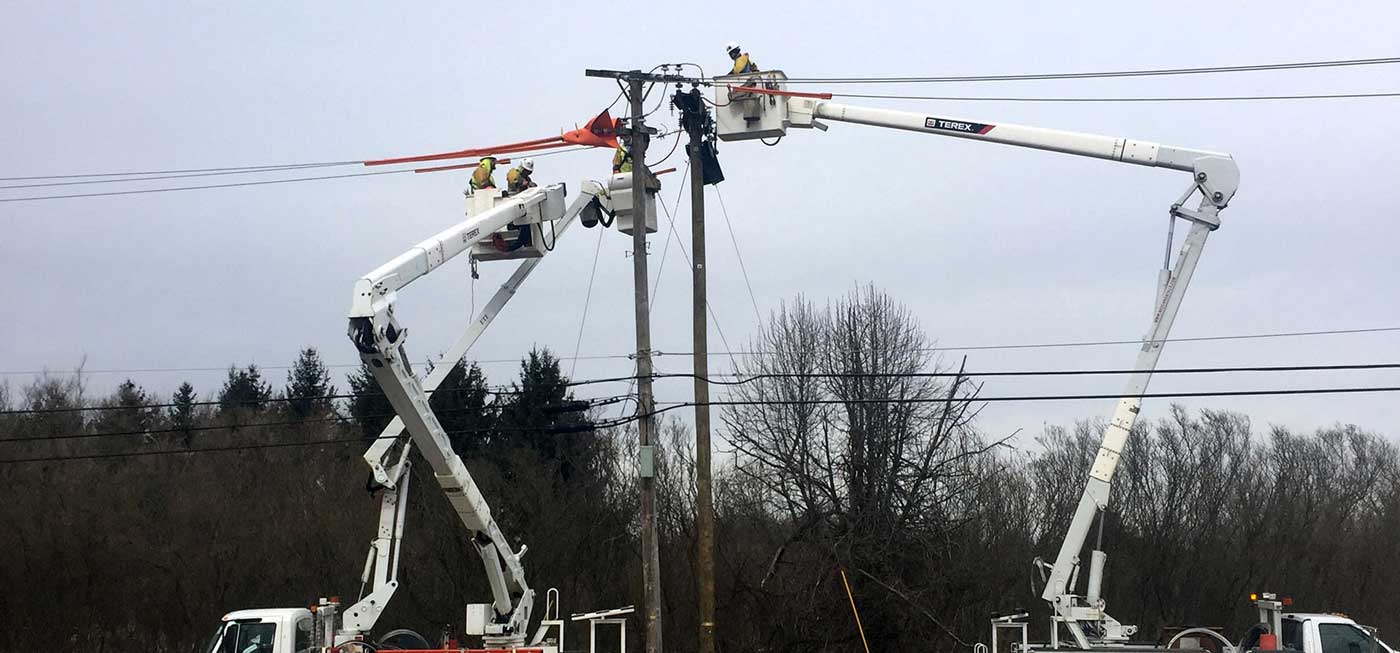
<point>987,244</point>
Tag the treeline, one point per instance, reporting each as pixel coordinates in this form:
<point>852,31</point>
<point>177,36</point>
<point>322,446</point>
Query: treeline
<point>837,461</point>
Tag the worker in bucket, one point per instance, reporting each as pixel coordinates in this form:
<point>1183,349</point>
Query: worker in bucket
<point>742,63</point>
<point>622,159</point>
<point>482,176</point>
<point>518,178</point>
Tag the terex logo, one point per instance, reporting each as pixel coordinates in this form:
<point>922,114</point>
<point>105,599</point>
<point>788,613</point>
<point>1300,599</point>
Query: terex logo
<point>466,237</point>
<point>956,126</point>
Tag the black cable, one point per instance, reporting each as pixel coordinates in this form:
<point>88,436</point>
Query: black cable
<point>1097,74</point>
<point>744,379</point>
<point>1029,398</point>
<point>724,210</point>
<point>242,183</point>
<point>1099,343</point>
<point>1228,98</point>
<point>621,421</point>
<point>183,429</point>
<point>500,389</point>
<point>592,403</point>
<point>1040,345</point>
<point>174,176</point>
<point>587,299</point>
<point>204,187</point>
<point>164,452</point>
<point>288,166</point>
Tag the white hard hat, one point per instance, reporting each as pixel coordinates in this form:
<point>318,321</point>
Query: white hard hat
<point>731,46</point>
<point>528,164</point>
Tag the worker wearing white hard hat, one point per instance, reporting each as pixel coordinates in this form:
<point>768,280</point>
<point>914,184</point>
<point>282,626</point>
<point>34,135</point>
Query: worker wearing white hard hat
<point>742,63</point>
<point>518,179</point>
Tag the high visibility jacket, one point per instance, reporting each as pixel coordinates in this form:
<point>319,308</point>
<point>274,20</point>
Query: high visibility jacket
<point>481,177</point>
<point>518,180</point>
<point>744,65</point>
<point>622,160</point>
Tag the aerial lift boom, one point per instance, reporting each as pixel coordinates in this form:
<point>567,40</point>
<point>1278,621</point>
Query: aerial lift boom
<point>757,106</point>
<point>380,340</point>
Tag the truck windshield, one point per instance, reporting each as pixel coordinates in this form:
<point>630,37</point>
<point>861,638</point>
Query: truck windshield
<point>1346,638</point>
<point>244,637</point>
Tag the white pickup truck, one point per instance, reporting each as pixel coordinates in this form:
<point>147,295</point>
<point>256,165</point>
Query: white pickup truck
<point>1328,633</point>
<point>281,630</point>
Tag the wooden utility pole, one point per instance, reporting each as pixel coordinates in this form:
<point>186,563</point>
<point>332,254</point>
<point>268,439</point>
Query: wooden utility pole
<point>646,426</point>
<point>704,500</point>
<point>638,134</point>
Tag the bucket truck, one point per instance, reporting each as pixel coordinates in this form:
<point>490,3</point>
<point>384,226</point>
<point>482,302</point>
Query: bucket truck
<point>758,106</point>
<point>380,339</point>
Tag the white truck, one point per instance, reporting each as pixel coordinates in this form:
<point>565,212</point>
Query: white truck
<point>760,106</point>
<point>531,221</point>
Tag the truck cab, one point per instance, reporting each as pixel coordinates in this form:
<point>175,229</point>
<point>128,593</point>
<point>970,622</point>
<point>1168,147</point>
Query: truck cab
<point>1329,633</point>
<point>280,630</point>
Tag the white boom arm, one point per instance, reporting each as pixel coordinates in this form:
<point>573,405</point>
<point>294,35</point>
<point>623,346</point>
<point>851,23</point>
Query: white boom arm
<point>380,341</point>
<point>1214,176</point>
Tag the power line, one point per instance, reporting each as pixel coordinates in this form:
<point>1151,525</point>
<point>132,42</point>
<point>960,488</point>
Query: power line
<point>1100,343</point>
<point>1038,345</point>
<point>166,452</point>
<point>500,389</point>
<point>202,187</point>
<point>622,421</point>
<point>279,166</point>
<point>744,379</point>
<point>758,315</point>
<point>120,180</point>
<point>1169,98</point>
<point>1038,398</point>
<point>568,406</point>
<point>240,184</point>
<point>1149,72</point>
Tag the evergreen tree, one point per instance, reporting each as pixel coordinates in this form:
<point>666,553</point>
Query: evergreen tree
<point>369,408</point>
<point>129,410</point>
<point>460,404</point>
<point>244,391</point>
<point>309,386</point>
<point>539,413</point>
<point>182,414</point>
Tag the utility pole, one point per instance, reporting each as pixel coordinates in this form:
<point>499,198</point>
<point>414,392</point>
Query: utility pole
<point>704,500</point>
<point>646,426</point>
<point>638,134</point>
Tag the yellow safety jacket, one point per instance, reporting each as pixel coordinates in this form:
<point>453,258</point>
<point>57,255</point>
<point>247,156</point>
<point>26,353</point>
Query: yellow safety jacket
<point>622,160</point>
<point>481,177</point>
<point>744,65</point>
<point>518,180</point>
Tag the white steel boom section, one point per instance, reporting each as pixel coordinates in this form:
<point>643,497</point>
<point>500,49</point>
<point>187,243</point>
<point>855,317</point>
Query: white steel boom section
<point>380,341</point>
<point>757,106</point>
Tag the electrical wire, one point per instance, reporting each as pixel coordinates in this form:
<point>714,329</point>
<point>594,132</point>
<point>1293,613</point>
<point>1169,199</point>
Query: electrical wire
<point>758,315</point>
<point>119,180</point>
<point>496,389</point>
<point>591,403</point>
<point>203,187</point>
<point>734,403</point>
<point>1101,343</point>
<point>587,299</point>
<point>745,379</point>
<point>709,307</point>
<point>1039,345</point>
<point>1150,72</point>
<point>279,166</point>
<point>1037,398</point>
<point>244,183</point>
<point>1205,98</point>
<point>675,142</point>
